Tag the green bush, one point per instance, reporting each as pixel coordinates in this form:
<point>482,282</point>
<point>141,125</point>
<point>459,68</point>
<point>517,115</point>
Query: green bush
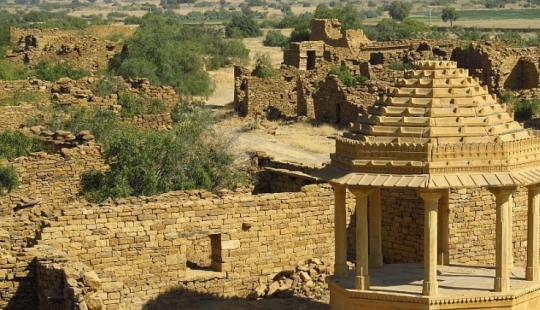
<point>400,66</point>
<point>168,52</point>
<point>243,26</point>
<point>275,38</point>
<point>525,109</point>
<point>146,163</point>
<point>11,72</point>
<point>8,179</point>
<point>263,66</point>
<point>101,123</point>
<point>345,76</point>
<point>49,72</point>
<point>131,104</point>
<point>389,29</point>
<point>16,144</point>
<point>135,105</point>
<point>108,85</point>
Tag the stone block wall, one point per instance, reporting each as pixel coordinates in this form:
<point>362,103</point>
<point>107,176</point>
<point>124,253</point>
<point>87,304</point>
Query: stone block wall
<point>472,226</point>
<point>329,31</point>
<point>305,55</point>
<point>11,117</point>
<point>81,93</point>
<point>137,245</point>
<point>53,45</point>
<point>260,94</point>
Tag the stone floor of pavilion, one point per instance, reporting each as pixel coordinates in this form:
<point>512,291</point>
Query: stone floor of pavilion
<point>464,286</point>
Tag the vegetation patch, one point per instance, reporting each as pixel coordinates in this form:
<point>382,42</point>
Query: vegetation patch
<point>15,144</point>
<point>345,76</point>
<point>8,179</point>
<point>44,70</point>
<point>192,155</point>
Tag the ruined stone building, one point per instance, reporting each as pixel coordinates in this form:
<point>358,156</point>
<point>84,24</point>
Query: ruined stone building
<point>304,89</point>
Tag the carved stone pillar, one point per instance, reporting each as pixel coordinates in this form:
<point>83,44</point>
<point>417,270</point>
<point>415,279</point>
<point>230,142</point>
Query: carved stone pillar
<point>503,251</point>
<point>375,243</point>
<point>340,227</point>
<point>361,281</point>
<point>443,255</point>
<point>533,220</point>
<point>431,204</point>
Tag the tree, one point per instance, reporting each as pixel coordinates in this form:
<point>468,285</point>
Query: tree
<point>348,15</point>
<point>449,14</point>
<point>168,52</point>
<point>399,10</point>
<point>243,26</point>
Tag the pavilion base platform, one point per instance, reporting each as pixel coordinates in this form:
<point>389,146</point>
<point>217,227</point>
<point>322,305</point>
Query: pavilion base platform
<point>399,286</point>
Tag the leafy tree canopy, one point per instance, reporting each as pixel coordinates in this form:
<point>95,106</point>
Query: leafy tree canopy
<point>170,53</point>
<point>389,29</point>
<point>243,26</point>
<point>348,15</point>
<point>399,10</point>
<point>449,14</point>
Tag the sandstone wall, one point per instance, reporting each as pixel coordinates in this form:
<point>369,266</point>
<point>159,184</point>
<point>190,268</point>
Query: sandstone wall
<point>260,94</point>
<point>137,245</point>
<point>53,45</point>
<point>81,93</point>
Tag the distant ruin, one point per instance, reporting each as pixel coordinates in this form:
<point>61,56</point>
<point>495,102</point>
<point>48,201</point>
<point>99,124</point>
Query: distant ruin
<point>303,89</point>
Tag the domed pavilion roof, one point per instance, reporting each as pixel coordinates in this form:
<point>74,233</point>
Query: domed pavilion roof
<point>437,128</point>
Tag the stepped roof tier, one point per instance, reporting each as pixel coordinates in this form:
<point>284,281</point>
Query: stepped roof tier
<point>437,128</point>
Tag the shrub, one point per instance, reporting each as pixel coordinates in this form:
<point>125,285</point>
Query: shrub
<point>108,85</point>
<point>345,76</point>
<point>48,72</point>
<point>8,179</point>
<point>263,66</point>
<point>146,163</point>
<point>131,104</point>
<point>16,144</point>
<point>11,72</point>
<point>275,38</point>
<point>101,123</point>
<point>400,66</point>
<point>525,109</point>
<point>168,52</point>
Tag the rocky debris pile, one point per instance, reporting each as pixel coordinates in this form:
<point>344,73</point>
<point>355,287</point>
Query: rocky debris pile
<point>62,138</point>
<point>307,280</point>
<point>62,282</point>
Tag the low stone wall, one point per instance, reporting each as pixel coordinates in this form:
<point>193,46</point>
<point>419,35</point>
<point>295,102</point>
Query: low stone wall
<point>261,94</point>
<point>139,243</point>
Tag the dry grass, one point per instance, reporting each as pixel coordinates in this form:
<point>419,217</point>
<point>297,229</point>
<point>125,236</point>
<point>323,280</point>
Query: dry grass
<point>315,138</point>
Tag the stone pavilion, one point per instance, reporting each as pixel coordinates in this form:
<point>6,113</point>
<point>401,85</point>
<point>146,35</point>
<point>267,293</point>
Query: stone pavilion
<point>437,129</point>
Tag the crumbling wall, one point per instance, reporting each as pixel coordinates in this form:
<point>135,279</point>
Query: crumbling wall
<point>329,31</point>
<point>55,46</point>
<point>337,104</point>
<point>137,242</point>
<point>82,93</point>
<point>52,180</point>
<point>306,55</point>
<point>260,95</point>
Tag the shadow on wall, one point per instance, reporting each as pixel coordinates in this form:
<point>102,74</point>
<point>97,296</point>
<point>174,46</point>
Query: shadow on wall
<point>187,300</point>
<point>24,296</point>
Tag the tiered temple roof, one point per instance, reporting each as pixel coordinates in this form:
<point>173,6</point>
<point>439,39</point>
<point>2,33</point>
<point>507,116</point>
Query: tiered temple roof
<point>437,128</point>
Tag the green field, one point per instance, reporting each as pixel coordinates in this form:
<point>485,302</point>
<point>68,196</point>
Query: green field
<point>492,14</point>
